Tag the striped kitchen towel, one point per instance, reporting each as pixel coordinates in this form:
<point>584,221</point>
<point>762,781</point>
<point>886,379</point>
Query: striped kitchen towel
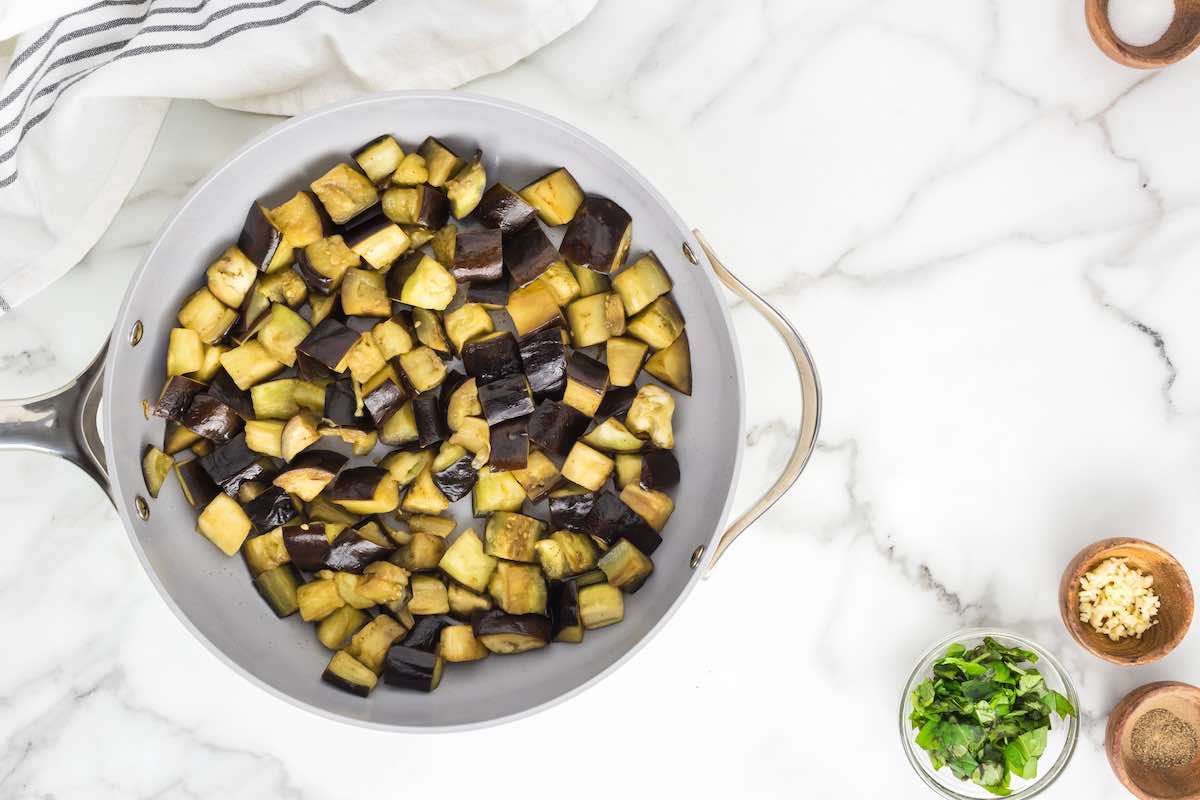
<point>87,87</point>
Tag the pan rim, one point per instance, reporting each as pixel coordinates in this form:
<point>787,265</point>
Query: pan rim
<point>124,502</point>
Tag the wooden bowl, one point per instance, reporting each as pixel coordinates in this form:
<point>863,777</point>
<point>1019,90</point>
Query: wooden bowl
<point>1179,40</point>
<point>1171,583</point>
<point>1148,783</point>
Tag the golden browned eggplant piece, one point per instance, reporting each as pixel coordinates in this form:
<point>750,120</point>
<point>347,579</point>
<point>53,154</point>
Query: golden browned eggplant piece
<point>673,366</point>
<point>555,195</point>
<point>345,192</point>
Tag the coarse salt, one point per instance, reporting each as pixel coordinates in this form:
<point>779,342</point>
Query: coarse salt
<point>1117,601</point>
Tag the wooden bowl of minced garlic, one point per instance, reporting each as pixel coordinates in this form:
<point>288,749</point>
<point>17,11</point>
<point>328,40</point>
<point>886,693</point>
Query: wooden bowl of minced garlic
<point>1126,600</point>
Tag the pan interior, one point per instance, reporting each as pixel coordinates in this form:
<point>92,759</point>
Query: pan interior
<point>212,594</point>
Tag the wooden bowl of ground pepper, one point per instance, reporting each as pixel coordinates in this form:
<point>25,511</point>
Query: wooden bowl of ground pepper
<point>1153,741</point>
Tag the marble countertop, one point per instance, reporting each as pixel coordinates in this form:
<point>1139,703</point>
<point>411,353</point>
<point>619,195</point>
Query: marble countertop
<point>987,234</point>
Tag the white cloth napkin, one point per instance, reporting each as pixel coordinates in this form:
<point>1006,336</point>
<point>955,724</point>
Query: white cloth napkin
<point>86,92</point>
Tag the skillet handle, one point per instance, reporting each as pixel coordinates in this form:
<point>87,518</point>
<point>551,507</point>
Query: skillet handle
<point>62,422</point>
<point>810,410</point>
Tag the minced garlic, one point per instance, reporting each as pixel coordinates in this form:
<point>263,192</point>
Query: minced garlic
<point>1117,600</point>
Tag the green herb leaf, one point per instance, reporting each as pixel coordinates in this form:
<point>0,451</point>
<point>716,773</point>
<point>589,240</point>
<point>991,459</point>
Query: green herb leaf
<point>1061,705</point>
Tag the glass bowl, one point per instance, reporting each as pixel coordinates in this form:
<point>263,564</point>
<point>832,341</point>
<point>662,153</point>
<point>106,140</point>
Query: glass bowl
<point>1063,733</point>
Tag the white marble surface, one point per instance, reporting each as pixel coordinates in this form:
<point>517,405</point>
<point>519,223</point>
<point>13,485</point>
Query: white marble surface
<point>988,234</point>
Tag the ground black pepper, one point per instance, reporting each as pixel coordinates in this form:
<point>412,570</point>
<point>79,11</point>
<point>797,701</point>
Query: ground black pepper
<point>1161,740</point>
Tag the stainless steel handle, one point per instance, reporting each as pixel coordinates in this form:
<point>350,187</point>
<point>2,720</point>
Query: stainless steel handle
<point>810,393</point>
<point>61,423</point>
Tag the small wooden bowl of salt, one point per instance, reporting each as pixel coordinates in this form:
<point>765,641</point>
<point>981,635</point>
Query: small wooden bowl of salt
<point>1106,582</point>
<point>1153,741</point>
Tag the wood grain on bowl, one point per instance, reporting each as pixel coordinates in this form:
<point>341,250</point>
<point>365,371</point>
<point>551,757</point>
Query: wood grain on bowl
<point>1146,782</point>
<point>1171,583</point>
<point>1177,42</point>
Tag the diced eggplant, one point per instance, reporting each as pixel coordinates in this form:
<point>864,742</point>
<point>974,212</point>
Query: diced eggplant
<point>379,158</point>
<point>492,357</point>
<point>229,461</point>
<point>600,605</point>
<point>587,381</point>
<point>563,607</point>
<point>641,283</point>
<point>505,398</point>
<point>364,360</point>
<point>207,316</point>
<point>432,524</point>
<point>444,243</point>
<point>212,362</point>
<point>250,490</point>
<point>625,357</point>
<point>278,588</point>
<point>350,552</point>
<point>270,510</point>
<point>529,253</point>
<point>478,256</point>
<point>201,447</point>
<point>496,490</point>
<point>465,189</point>
<point>422,369</point>
<point>341,407</point>
<point>364,293</point>
<point>393,336</point>
<point>265,436</point>
<point>212,419</point>
<point>185,351</point>
<point>428,596</point>
<point>538,477</point>
<point>302,220</point>
<point>598,237</point>
<point>298,433</point>
<point>511,633</point>
<point>467,322</point>
<point>408,668</point>
<point>323,264</point>
<point>365,490</point>
<point>346,673</point>
<point>518,588</point>
<point>611,436</point>
<point>426,206</point>
<point>421,554</point>
<point>590,282</point>
<point>653,506</point>
<point>453,473</point>
<point>428,326</point>
<point>307,544</point>
<point>328,343</point>
<point>458,644</point>
<point>626,566</point>
<point>405,465</point>
<point>533,308</point>
<point>473,434</point>
<point>345,192</point>
<point>231,276</point>
<point>400,428</point>
<point>658,324</point>
<point>156,466</point>
<point>176,397</point>
<point>323,509</point>
<point>440,160</point>
<point>373,531</point>
<point>282,332</point>
<point>224,523</point>
<point>466,562</point>
<point>411,171</point>
<point>226,391</point>
<point>544,359</point>
<point>673,365</point>
<point>371,643</point>
<point>509,444</point>
<point>177,438</point>
<point>587,467</point>
<point>464,602</point>
<point>512,536</point>
<point>616,402</point>
<point>334,630</point>
<point>431,427</point>
<point>318,599</point>
<point>424,497</point>
<point>492,295</point>
<point>313,371</point>
<point>551,560</point>
<point>284,286</point>
<point>595,318</point>
<point>628,469</point>
<point>659,470</point>
<point>610,519</point>
<point>560,282</point>
<point>260,241</point>
<point>650,416</point>
<point>427,286</point>
<point>198,487</point>
<point>578,550</point>
<point>503,209</point>
<point>555,426</point>
<point>379,242</point>
<point>555,195</point>
<point>384,400</point>
<point>426,632</point>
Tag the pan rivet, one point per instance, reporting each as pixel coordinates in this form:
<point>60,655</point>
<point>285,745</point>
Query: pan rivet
<point>687,251</point>
<point>143,508</point>
<point>135,335</point>
<point>698,553</point>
